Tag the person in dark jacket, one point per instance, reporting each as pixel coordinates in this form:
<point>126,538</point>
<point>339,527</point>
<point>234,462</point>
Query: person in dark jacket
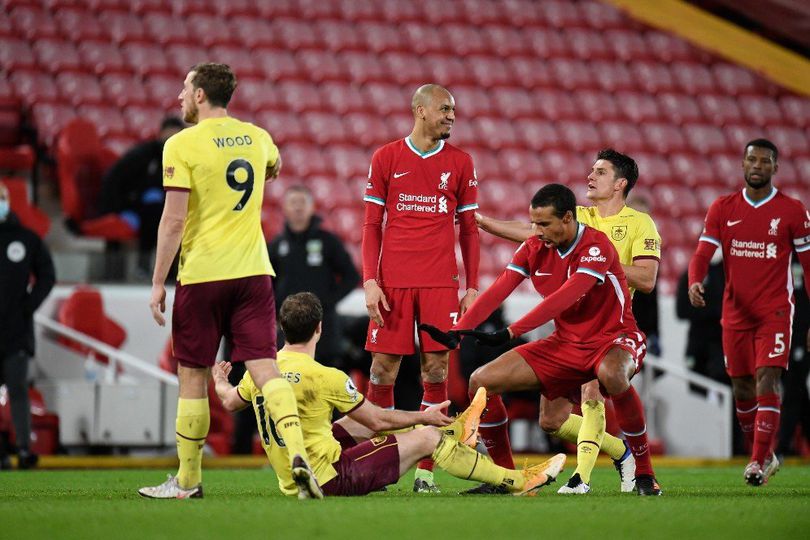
<point>133,188</point>
<point>308,258</point>
<point>23,255</point>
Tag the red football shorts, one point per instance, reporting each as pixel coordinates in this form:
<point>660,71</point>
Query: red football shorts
<point>765,346</point>
<point>242,310</point>
<point>563,367</point>
<point>366,467</point>
<point>437,307</point>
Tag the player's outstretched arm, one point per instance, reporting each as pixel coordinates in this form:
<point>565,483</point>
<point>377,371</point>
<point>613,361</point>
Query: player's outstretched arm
<point>554,304</point>
<point>516,231</point>
<point>377,419</point>
<point>226,392</point>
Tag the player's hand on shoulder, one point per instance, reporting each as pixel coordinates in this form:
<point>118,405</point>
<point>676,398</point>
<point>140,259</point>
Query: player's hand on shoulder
<point>696,292</point>
<point>433,415</point>
<point>374,297</point>
<point>157,303</point>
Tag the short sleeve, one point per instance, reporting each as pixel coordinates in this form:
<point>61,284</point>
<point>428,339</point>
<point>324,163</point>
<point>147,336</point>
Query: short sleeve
<point>377,187</point>
<point>711,226</point>
<point>595,258</point>
<point>340,391</point>
<point>176,172</point>
<point>647,242</point>
<point>800,233</point>
<point>272,150</point>
<point>520,261</point>
<point>468,188</point>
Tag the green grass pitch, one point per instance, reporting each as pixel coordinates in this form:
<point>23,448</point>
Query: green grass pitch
<point>245,503</point>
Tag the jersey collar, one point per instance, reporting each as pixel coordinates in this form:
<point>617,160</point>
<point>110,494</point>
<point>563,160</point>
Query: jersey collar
<point>763,201</point>
<point>289,355</point>
<point>580,230</point>
<point>427,154</point>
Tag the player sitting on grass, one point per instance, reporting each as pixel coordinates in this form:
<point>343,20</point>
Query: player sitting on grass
<point>342,463</point>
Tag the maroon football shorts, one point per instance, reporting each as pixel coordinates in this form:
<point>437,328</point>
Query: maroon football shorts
<point>434,306</point>
<point>342,436</point>
<point>563,367</point>
<point>242,310</point>
<point>767,345</point>
<point>364,468</point>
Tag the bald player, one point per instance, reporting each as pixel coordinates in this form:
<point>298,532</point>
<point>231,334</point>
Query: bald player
<point>421,185</point>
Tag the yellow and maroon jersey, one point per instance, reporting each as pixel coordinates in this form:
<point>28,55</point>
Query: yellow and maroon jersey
<point>421,194</point>
<point>319,390</point>
<point>758,240</point>
<point>221,162</point>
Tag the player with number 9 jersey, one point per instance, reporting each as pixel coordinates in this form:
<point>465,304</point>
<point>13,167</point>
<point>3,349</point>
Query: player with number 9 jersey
<point>223,236</point>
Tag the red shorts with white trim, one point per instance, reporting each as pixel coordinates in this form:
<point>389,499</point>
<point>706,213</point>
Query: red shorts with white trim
<point>767,345</point>
<point>434,306</point>
<point>563,367</point>
<point>242,310</point>
<point>364,468</point>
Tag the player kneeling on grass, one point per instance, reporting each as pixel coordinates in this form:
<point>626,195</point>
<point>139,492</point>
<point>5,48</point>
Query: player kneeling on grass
<point>344,457</point>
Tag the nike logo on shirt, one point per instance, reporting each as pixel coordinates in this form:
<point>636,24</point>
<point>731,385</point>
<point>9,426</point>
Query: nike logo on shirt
<point>732,223</point>
<point>397,175</point>
<point>538,273</point>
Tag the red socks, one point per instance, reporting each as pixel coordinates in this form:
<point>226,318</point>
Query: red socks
<point>494,430</point>
<point>381,395</point>
<point>746,416</point>
<point>767,426</point>
<point>433,393</point>
<point>631,419</point>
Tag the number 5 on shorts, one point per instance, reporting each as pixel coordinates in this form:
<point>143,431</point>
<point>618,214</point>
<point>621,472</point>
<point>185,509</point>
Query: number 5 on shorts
<point>778,344</point>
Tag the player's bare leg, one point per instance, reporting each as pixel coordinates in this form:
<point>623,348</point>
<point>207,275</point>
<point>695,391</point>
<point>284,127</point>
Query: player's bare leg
<point>760,403</point>
<point>614,373</point>
<point>383,375</point>
<point>434,385</point>
<point>281,403</point>
<point>193,420</point>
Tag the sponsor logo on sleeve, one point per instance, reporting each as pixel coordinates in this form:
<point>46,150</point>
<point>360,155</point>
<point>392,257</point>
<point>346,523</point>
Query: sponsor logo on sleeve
<point>168,172</point>
<point>651,244</point>
<point>351,390</point>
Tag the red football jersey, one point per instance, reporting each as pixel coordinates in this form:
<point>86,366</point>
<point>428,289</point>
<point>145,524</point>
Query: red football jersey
<point>603,311</point>
<point>758,240</point>
<point>421,194</point>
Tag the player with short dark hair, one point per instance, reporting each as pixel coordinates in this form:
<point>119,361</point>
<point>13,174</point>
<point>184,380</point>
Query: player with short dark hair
<point>759,229</point>
<point>420,184</point>
<point>577,271</point>
<point>350,457</point>
<point>224,288</point>
<point>634,235</point>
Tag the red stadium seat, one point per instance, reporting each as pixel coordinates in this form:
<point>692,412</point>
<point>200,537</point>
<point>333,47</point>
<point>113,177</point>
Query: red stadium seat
<point>490,71</point>
<point>242,63</point>
<point>796,110</point>
<point>163,91</point>
<point>580,136</point>
<point>705,139</point>
<point>449,71</point>
<point>350,162</point>
<point>143,122</point>
<point>507,42</point>
<point>567,167</point>
<point>16,54</point>
<point>361,10</point>
<point>35,87</point>
<point>638,107</point>
<point>679,108</point>
<point>738,136</point>
<point>30,216</point>
<point>165,28</point>
<point>538,135</point>
<point>33,23</point>
<point>803,171</point>
<point>514,103</point>
<point>664,138</point>
<point>143,7</point>
<point>727,169</point>
<point>368,130</point>
<point>331,193</point>
<point>691,170</point>
<point>382,37</point>
<point>188,8</point>
<point>652,169</point>
<point>562,14</point>
<point>123,27</point>
<point>496,133</point>
<point>613,76</point>
<point>278,65</point>
<point>424,38</point>
<point>669,48</point>
<point>256,94</point>
<point>597,106</point>
<point>212,30</point>
<point>363,67</point>
<point>340,36</point>
<point>672,231</point>
<point>103,58</point>
<point>736,80</point>
<point>80,88</point>
<point>707,194</point>
<point>694,78</point>
<point>588,44</point>
<point>675,201</point>
<point>570,74</point>
<point>481,12</point>
<point>55,56</point>
<point>624,136</point>
<point>148,59</point>
<point>325,128</point>
<point>49,119</point>
<point>120,144</point>
<point>652,77</point>
<point>342,97</point>
<point>791,142</point>
<point>284,127</point>
<point>628,45</point>
<point>602,16</point>
<point>405,69</point>
<point>530,73</point>
<point>465,39</point>
<point>473,101</point>
<point>311,10</point>
<point>503,196</point>
<point>521,165</point>
<point>182,57</point>
<point>255,33</point>
<point>306,160</point>
<point>763,111</point>
<point>548,43</point>
<point>124,90</point>
<point>296,35</point>
<point>720,110</point>
<point>322,66</point>
<point>487,165</point>
<point>247,8</point>
<point>347,223</point>
<point>80,25</point>
<point>386,97</point>
<point>523,14</point>
<point>108,120</point>
<point>83,311</point>
<point>301,96</point>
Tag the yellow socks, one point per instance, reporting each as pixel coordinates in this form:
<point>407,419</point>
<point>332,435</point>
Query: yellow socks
<point>589,440</point>
<point>463,462</point>
<point>280,401</point>
<point>192,424</point>
<point>569,431</point>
